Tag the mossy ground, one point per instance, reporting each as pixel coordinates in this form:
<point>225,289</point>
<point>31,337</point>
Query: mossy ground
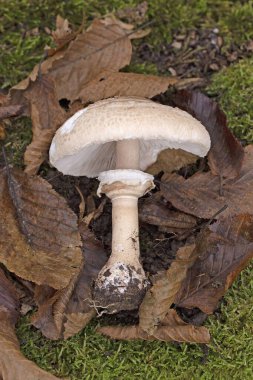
<point>91,356</point>
<point>88,355</point>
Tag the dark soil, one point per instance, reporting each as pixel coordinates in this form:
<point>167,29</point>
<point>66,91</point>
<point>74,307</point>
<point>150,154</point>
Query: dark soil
<point>198,53</point>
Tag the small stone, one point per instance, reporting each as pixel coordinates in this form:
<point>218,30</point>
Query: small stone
<point>219,41</point>
<point>214,67</point>
<point>232,57</point>
<point>249,46</point>
<point>176,45</point>
<point>172,71</point>
<point>25,308</point>
<point>180,37</point>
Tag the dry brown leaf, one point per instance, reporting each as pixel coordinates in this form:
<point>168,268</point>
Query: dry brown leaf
<point>4,99</point>
<point>101,47</point>
<point>223,251</point>
<point>199,195</point>
<point>108,84</point>
<point>47,116</point>
<point>63,33</point>
<point>13,365</point>
<point>226,153</point>
<point>172,329</point>
<point>11,111</point>
<point>171,159</point>
<point>161,295</point>
<point>64,313</point>
<point>9,300</point>
<point>154,212</point>
<point>39,238</point>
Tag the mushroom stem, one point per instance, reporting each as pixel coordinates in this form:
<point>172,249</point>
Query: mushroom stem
<point>125,228</point>
<point>128,154</point>
<point>121,284</point>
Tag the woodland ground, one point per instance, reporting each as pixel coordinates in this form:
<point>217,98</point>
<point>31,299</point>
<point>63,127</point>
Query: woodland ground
<point>88,355</point>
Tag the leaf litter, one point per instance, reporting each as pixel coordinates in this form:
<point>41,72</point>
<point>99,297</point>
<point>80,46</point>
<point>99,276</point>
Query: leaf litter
<point>197,230</point>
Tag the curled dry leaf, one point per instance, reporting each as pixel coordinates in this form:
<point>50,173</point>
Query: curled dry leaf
<point>11,111</point>
<point>13,364</point>
<point>64,313</point>
<point>39,238</point>
<point>161,295</point>
<point>223,250</point>
<point>172,329</point>
<point>200,195</point>
<point>63,33</point>
<point>47,116</point>
<point>109,84</point>
<point>226,153</point>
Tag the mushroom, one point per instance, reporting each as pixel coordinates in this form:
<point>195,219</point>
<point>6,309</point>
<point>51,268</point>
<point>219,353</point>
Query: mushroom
<point>116,140</point>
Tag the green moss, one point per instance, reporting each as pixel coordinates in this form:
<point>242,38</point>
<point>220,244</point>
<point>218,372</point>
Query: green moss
<point>19,135</point>
<point>232,87</point>
<point>91,356</point>
<point>142,68</point>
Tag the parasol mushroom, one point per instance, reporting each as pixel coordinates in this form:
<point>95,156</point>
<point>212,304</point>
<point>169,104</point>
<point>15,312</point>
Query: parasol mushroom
<point>117,139</point>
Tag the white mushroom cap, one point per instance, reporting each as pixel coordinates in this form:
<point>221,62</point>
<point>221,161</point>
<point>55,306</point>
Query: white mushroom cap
<point>86,143</point>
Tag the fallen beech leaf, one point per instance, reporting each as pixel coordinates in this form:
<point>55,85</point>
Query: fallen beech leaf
<point>9,302</point>
<point>172,329</point>
<point>109,84</point>
<point>10,111</point>
<point>101,47</point>
<point>226,153</point>
<point>161,295</point>
<point>199,195</point>
<point>171,159</point>
<point>47,116</point>
<point>64,313</point>
<point>48,249</point>
<point>157,213</point>
<point>13,365</point>
<point>223,250</point>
